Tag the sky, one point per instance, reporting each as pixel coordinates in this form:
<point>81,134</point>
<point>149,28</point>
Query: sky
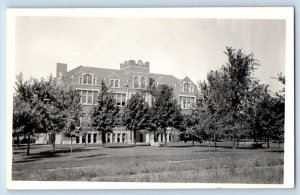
<point>180,47</point>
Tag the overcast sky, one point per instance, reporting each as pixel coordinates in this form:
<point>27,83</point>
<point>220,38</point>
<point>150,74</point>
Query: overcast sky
<point>181,47</point>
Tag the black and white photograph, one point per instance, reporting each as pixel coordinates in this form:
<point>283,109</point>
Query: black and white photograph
<point>179,97</point>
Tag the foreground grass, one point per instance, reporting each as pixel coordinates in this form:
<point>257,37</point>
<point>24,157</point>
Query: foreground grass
<point>150,164</point>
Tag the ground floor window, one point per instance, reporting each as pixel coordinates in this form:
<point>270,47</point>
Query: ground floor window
<point>108,137</point>
<point>95,138</point>
<point>113,137</point>
<point>83,139</point>
<point>89,138</point>
<point>123,137</point>
<point>186,101</point>
<point>119,137</point>
<point>77,139</point>
<point>170,137</point>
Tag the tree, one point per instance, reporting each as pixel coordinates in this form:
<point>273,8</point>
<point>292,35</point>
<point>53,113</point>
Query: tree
<point>55,101</point>
<point>27,109</point>
<point>136,114</point>
<point>104,112</point>
<point>72,128</point>
<point>167,112</point>
<point>237,76</point>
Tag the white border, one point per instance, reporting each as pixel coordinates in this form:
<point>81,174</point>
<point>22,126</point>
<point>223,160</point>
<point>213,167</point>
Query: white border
<point>286,13</point>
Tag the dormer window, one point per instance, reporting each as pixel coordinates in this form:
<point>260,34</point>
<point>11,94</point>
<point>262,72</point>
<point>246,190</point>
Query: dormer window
<point>87,79</point>
<point>187,87</point>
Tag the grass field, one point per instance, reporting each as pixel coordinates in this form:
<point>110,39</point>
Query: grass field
<point>180,163</point>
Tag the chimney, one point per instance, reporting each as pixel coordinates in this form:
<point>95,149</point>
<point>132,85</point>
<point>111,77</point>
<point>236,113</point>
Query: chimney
<point>61,70</point>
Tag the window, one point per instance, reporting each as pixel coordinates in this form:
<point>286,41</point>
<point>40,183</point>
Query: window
<point>120,98</point>
<point>123,137</point>
<point>111,83</point>
<point>83,96</point>
<point>143,83</point>
<point>87,79</point>
<point>186,101</point>
<point>113,137</point>
<point>95,98</point>
<point>119,137</point>
<point>95,137</point>
<point>108,137</point>
<point>88,96</point>
<point>89,138</point>
<point>116,83</point>
<point>170,137</point>
<point>136,83</point>
<point>186,87</point>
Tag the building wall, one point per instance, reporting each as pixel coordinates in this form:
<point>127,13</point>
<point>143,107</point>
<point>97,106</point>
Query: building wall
<point>125,76</point>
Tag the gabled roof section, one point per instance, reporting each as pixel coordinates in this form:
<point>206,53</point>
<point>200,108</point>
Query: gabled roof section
<point>186,79</point>
<point>98,72</point>
<point>164,78</point>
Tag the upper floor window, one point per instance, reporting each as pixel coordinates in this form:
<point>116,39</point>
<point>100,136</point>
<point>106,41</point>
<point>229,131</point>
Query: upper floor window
<point>136,83</point>
<point>187,87</point>
<point>87,79</point>
<point>143,82</point>
<point>114,83</point>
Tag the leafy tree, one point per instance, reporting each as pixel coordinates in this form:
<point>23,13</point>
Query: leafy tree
<point>104,113</point>
<point>237,76</point>
<point>72,128</point>
<point>136,114</point>
<point>167,112</point>
<point>27,109</point>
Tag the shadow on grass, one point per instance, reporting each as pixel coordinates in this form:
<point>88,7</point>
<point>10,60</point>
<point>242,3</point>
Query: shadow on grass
<point>25,161</point>
<point>91,156</point>
<point>276,151</point>
<point>51,154</point>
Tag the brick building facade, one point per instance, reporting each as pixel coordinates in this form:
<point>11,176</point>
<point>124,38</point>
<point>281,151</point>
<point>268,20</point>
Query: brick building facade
<point>123,83</point>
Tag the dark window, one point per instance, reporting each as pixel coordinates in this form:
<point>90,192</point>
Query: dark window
<point>89,138</point>
<point>95,137</point>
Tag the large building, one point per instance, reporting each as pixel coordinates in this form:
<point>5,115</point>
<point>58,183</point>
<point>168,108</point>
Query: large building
<point>123,83</point>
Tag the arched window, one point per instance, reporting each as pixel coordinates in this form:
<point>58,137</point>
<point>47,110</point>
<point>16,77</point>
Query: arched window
<point>186,87</point>
<point>87,79</point>
<point>143,82</point>
<point>136,83</point>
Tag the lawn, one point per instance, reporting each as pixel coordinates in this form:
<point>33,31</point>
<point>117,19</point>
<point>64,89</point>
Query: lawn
<point>180,163</point>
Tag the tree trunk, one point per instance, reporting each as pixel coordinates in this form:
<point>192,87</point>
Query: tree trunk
<point>18,140</point>
<point>209,143</point>
<point>71,147</point>
<point>53,143</point>
<point>165,134</point>
<point>193,141</point>
<point>233,141</point>
<point>134,137</point>
<point>103,138</point>
<point>215,140</point>
<point>28,144</point>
